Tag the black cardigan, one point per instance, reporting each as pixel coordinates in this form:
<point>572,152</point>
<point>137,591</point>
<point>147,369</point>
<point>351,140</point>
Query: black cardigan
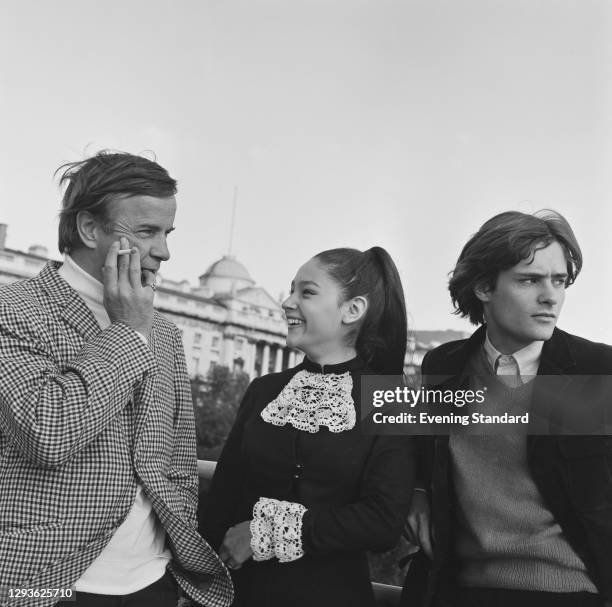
<point>356,488</point>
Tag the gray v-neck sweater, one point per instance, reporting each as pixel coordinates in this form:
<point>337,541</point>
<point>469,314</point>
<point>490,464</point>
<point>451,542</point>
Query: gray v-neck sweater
<point>506,537</point>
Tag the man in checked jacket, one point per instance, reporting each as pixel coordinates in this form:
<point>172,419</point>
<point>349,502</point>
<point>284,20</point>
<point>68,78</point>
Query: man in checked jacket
<point>98,480</point>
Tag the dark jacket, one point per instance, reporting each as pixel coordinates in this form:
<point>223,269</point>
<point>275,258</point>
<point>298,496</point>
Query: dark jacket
<point>356,489</point>
<point>572,473</point>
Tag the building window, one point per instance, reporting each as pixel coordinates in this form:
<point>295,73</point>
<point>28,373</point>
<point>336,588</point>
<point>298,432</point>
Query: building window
<point>239,344</point>
<point>196,365</point>
<point>215,342</point>
<point>197,338</point>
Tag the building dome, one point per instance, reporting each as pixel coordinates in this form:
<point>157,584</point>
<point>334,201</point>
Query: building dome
<point>226,275</point>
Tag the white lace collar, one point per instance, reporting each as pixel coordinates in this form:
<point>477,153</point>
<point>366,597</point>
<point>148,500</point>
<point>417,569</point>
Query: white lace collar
<point>311,400</point>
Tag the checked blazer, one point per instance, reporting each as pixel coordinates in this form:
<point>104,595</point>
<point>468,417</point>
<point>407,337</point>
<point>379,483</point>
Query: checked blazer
<point>85,415</point>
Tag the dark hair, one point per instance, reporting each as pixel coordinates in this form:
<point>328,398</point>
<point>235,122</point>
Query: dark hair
<point>382,334</point>
<point>500,244</point>
<point>94,182</point>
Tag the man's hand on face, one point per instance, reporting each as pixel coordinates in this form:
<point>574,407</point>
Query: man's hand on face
<point>126,299</point>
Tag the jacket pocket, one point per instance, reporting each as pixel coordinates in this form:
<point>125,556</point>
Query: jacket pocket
<point>33,529</point>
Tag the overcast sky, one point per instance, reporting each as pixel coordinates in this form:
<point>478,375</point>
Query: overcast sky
<point>404,124</point>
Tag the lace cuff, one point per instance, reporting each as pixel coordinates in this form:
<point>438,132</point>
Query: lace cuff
<point>262,529</point>
<point>276,530</point>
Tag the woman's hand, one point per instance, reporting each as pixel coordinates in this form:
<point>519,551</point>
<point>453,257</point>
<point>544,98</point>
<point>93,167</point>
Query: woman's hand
<point>236,546</point>
<point>418,524</point>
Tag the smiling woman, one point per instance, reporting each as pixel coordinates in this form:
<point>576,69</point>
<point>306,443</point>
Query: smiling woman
<point>317,317</point>
<point>299,494</point>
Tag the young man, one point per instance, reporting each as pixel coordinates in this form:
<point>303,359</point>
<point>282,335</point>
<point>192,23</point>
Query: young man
<point>515,519</point>
<point>98,480</point>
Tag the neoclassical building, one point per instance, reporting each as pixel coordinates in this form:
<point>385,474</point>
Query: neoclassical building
<point>228,320</point>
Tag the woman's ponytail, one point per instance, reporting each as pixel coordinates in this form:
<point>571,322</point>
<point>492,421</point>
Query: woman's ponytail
<point>392,326</point>
<point>382,335</point>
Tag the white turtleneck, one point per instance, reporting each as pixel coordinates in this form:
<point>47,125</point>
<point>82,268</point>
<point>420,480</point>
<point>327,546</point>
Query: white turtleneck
<point>136,555</point>
<point>90,290</point>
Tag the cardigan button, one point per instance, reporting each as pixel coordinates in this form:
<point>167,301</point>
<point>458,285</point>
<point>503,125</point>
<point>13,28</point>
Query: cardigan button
<point>296,476</point>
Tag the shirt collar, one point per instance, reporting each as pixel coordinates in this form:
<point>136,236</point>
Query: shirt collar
<point>527,358</point>
<point>81,281</point>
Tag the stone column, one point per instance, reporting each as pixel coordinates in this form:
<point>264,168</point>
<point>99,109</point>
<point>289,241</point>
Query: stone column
<point>265,359</point>
<point>250,352</point>
<point>278,361</point>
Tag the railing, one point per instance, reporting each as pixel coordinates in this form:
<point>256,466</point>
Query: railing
<point>386,596</point>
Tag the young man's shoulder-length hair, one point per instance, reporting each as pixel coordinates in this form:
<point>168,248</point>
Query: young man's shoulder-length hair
<point>91,184</point>
<point>500,244</point>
